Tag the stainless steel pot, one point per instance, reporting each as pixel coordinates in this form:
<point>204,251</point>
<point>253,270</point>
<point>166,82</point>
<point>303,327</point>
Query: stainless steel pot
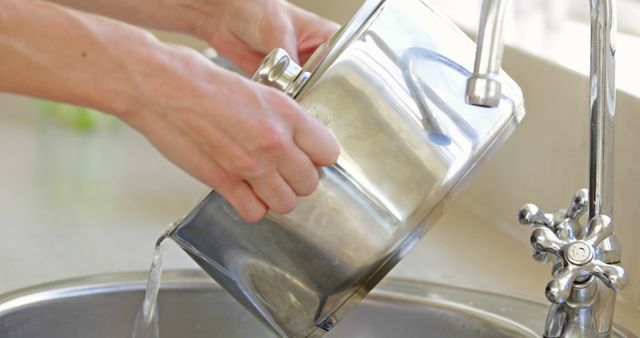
<point>391,87</point>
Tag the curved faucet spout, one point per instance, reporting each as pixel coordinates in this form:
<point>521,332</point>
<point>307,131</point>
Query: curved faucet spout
<point>482,88</point>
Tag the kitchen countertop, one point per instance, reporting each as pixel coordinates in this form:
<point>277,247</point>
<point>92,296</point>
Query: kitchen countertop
<point>81,203</point>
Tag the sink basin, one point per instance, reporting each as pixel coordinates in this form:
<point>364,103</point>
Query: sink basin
<point>192,306</point>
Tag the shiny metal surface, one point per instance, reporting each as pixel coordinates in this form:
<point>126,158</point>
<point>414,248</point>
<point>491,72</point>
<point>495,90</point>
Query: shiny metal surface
<point>602,106</point>
<point>281,72</point>
<point>589,310</point>
<point>390,86</point>
<point>578,259</point>
<point>191,306</point>
<point>602,89</point>
<point>583,305</point>
<point>602,117</point>
<point>564,222</point>
<point>484,87</point>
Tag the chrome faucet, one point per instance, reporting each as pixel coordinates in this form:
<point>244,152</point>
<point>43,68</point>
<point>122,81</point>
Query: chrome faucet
<point>483,87</point>
<point>586,277</point>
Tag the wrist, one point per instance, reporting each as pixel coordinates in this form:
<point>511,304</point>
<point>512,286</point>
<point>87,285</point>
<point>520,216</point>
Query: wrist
<point>167,78</point>
<point>132,70</point>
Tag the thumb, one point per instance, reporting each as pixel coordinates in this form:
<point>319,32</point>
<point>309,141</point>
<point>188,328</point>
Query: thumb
<point>281,35</point>
<point>262,25</point>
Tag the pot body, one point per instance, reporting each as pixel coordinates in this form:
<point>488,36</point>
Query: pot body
<point>391,87</point>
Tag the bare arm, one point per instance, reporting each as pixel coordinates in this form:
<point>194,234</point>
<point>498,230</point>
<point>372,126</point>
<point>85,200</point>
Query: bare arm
<point>252,144</point>
<point>185,16</point>
<point>241,30</point>
<point>55,53</point>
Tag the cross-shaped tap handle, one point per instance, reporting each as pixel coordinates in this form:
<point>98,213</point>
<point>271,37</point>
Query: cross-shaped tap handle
<point>580,259</point>
<point>563,221</point>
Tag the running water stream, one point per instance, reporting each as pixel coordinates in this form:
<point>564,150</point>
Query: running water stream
<point>146,324</point>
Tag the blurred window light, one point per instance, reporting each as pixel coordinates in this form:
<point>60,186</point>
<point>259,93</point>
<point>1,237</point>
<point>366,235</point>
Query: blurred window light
<point>558,31</point>
<point>628,14</point>
<point>553,12</point>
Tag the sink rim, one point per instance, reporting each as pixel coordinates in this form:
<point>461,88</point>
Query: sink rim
<point>527,316</point>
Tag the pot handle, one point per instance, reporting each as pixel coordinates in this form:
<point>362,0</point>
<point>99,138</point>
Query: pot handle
<point>279,71</point>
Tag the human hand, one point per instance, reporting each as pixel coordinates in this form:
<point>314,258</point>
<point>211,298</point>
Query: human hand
<point>244,31</point>
<point>251,143</point>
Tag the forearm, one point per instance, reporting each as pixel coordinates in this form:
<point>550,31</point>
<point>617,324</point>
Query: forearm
<point>252,144</point>
<point>56,53</point>
<point>185,16</point>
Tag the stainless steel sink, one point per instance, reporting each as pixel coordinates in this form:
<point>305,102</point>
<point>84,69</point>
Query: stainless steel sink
<point>192,306</point>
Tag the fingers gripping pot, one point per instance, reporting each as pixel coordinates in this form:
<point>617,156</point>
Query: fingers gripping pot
<point>391,87</point>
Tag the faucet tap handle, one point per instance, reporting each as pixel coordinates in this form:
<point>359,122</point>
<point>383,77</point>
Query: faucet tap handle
<point>580,259</point>
<point>579,204</point>
<point>531,215</point>
<point>564,222</point>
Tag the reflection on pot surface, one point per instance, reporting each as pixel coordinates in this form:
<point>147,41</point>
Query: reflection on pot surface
<point>391,88</point>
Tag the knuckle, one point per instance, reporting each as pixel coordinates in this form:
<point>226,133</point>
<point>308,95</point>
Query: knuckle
<point>247,206</point>
<point>286,107</point>
<point>294,115</point>
<point>228,186</point>
<point>274,140</point>
<point>248,166</point>
<point>215,178</point>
